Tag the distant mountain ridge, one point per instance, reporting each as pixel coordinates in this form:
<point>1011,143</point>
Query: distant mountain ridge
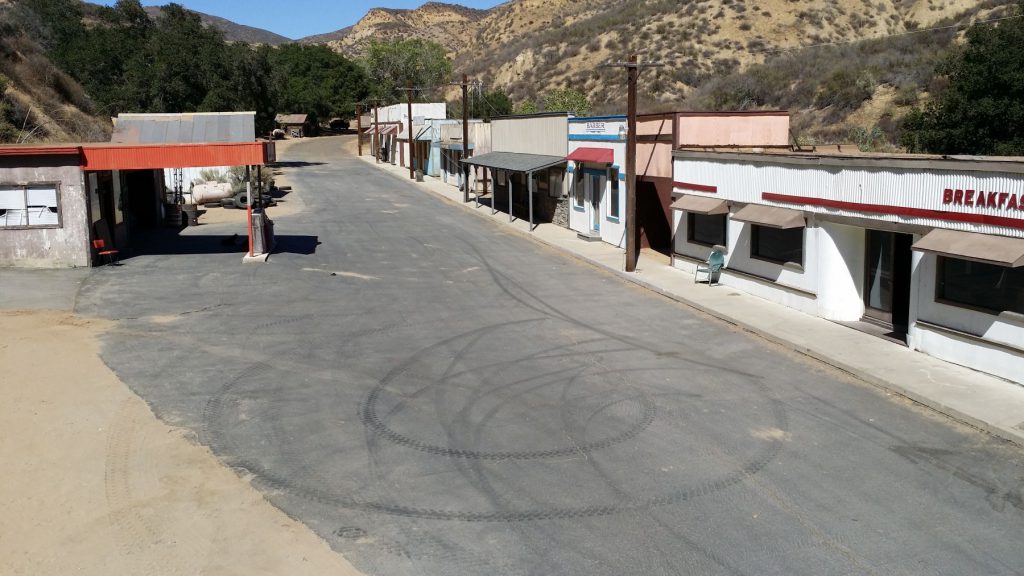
<point>450,25</point>
<point>233,31</point>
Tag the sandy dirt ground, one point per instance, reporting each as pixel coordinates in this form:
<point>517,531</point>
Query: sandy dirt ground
<point>95,485</point>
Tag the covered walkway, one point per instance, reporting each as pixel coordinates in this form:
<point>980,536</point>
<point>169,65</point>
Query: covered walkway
<point>504,164</point>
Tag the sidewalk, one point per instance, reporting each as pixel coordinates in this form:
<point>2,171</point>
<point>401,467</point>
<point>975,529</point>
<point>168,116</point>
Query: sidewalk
<point>985,402</point>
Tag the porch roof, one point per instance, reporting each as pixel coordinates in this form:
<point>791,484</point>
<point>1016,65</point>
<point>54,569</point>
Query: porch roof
<point>514,161</point>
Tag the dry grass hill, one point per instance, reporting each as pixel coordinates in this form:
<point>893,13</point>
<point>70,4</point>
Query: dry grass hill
<point>530,46</point>
<point>39,102</point>
<point>446,24</point>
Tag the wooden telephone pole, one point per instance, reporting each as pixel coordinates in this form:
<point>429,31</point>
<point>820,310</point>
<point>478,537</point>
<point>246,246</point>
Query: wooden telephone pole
<point>376,131</point>
<point>465,137</point>
<point>632,230</point>
<point>465,134</point>
<point>408,92</point>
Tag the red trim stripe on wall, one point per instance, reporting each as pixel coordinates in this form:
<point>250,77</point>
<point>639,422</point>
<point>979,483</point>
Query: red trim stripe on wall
<point>896,210</point>
<point>695,187</point>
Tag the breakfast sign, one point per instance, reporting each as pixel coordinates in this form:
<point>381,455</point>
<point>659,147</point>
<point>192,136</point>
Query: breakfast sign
<point>1003,201</point>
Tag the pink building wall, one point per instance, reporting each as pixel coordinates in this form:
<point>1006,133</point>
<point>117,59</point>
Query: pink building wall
<point>742,129</point>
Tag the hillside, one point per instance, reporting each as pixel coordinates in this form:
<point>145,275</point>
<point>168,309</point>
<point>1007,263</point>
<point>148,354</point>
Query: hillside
<point>39,102</point>
<point>530,46</point>
<point>233,31</point>
<point>447,24</point>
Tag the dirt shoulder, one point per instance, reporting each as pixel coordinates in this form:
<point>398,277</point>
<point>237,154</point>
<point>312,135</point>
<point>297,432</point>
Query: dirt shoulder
<point>96,485</point>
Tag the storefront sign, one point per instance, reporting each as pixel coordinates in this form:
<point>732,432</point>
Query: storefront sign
<point>596,128</point>
<point>980,199</point>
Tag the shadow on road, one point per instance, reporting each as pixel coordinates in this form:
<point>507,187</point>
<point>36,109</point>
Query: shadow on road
<point>173,242</point>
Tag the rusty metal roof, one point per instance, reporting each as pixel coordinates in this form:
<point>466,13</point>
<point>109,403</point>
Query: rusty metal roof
<point>196,128</point>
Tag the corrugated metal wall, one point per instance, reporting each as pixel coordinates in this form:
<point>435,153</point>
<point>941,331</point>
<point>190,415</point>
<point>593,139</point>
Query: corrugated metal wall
<point>894,189</point>
<point>547,135</point>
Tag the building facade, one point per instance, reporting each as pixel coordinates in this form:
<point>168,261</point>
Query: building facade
<point>597,193</point>
<point>931,250</point>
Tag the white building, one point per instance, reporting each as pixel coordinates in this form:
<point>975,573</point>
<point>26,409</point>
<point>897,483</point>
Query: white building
<point>931,249</point>
<point>597,156</point>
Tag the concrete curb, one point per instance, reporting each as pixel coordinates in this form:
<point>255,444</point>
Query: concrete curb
<point>1007,434</point>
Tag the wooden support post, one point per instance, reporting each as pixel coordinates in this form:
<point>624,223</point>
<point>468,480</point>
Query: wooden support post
<point>494,195</point>
<point>529,190</point>
<point>510,197</point>
<point>376,131</point>
<point>359,128</point>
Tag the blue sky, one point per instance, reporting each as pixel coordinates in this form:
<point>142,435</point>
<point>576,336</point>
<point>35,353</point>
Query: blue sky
<point>299,18</point>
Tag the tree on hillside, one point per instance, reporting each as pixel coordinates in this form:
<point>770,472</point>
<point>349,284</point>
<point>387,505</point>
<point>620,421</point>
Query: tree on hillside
<point>567,100</point>
<point>392,65</point>
<point>187,60</point>
<point>982,109</point>
<point>316,80</point>
<point>527,107</point>
<point>484,105</point>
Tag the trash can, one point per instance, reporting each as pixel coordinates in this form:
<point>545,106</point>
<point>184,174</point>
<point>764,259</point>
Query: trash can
<point>419,175</point>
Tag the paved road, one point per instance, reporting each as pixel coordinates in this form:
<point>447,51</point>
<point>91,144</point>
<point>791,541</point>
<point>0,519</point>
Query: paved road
<point>435,395</point>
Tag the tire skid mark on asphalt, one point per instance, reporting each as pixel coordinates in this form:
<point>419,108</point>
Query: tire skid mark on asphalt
<point>214,417</point>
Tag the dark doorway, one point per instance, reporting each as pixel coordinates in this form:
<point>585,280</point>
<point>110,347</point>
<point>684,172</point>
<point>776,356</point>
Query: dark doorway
<point>142,199</point>
<point>887,279</point>
<point>653,218</point>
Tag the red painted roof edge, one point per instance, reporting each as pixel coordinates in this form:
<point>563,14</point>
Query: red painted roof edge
<point>22,150</point>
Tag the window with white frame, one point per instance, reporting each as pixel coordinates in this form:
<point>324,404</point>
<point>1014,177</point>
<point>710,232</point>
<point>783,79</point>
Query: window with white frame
<point>29,206</point>
<point>613,196</point>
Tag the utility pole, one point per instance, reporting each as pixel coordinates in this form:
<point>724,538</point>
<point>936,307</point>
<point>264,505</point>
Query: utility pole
<point>359,128</point>
<point>465,134</point>
<point>632,230</point>
<point>409,136</point>
<point>465,138</point>
<point>376,131</point>
<point>408,91</point>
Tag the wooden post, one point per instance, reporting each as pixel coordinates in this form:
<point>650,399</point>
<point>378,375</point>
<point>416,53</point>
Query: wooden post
<point>632,236</point>
<point>408,91</point>
<point>529,190</point>
<point>465,137</point>
<point>359,128</point>
<point>376,131</point>
<point>509,180</point>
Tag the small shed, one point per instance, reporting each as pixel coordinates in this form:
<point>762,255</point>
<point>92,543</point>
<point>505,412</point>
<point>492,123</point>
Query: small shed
<point>294,125</point>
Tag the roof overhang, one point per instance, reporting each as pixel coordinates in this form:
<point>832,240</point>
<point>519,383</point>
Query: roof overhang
<point>771,216</point>
<point>515,161</point>
<point>985,248</point>
<point>152,157</point>
<point>701,205</point>
<point>40,150</point>
<point>592,155</point>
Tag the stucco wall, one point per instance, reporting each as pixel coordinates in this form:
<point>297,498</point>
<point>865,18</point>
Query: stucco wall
<point>789,285</point>
<point>57,247</point>
<point>733,130</point>
<point>982,352</point>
